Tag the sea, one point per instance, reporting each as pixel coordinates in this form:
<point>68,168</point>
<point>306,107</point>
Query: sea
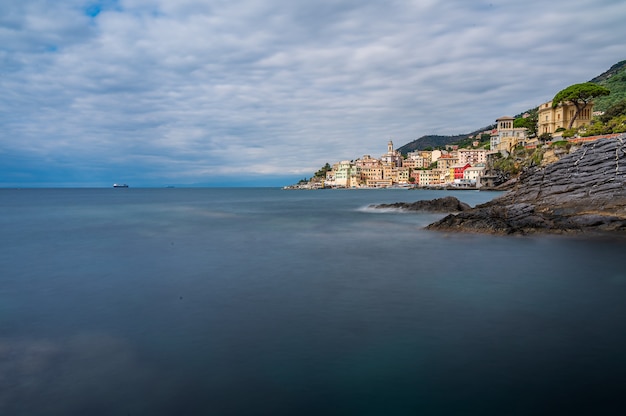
<point>264,301</point>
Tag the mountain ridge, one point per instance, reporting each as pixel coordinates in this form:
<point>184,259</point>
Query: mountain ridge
<point>435,140</point>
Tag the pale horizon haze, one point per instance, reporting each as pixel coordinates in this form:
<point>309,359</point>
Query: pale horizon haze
<point>262,93</point>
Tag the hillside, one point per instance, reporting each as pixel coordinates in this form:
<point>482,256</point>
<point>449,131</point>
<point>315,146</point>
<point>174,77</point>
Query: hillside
<point>434,141</point>
<point>614,79</point>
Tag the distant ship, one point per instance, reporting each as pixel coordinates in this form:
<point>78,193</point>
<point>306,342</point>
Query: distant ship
<point>120,185</point>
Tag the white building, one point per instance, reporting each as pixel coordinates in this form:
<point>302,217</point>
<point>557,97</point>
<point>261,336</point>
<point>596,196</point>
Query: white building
<point>472,156</point>
<point>342,173</point>
<point>473,174</point>
<point>392,156</point>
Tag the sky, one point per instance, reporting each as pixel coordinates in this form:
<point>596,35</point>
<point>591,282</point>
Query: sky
<point>264,92</point>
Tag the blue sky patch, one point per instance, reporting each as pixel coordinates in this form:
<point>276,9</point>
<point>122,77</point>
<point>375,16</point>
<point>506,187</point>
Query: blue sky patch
<point>94,10</point>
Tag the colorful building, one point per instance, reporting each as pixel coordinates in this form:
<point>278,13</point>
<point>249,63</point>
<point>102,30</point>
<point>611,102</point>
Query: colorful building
<point>459,169</point>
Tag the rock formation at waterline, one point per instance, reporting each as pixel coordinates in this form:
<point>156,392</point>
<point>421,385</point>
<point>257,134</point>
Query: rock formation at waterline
<point>445,204</point>
<point>583,191</point>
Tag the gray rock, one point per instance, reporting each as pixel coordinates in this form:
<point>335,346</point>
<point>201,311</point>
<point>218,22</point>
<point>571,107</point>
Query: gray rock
<point>445,204</point>
<point>584,191</point>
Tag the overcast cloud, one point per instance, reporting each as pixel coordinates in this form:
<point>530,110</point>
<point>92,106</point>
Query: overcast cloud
<point>156,92</point>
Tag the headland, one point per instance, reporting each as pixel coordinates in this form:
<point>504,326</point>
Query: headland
<point>585,191</point>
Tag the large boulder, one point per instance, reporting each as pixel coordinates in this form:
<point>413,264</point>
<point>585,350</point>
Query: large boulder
<point>583,191</point>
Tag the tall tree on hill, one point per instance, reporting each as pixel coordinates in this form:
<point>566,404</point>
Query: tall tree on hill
<point>579,95</point>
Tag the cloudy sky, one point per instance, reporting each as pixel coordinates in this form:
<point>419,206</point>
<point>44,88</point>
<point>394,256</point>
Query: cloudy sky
<point>264,92</point>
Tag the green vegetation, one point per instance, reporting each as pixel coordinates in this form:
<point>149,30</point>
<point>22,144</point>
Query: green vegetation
<point>508,165</point>
<point>616,110</point>
<point>579,95</point>
<point>536,157</point>
<point>612,121</point>
<point>545,137</point>
<point>519,160</point>
<point>597,127</point>
<point>614,80</point>
<point>322,172</point>
<point>569,133</point>
<point>439,142</point>
<point>529,122</point>
<point>564,144</point>
<point>468,142</point>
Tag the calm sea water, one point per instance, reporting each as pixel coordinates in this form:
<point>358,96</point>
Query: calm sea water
<point>271,302</point>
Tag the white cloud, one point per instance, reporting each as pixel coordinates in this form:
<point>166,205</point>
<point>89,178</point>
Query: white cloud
<point>213,87</point>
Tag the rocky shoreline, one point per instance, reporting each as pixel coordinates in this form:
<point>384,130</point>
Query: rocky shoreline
<point>584,191</point>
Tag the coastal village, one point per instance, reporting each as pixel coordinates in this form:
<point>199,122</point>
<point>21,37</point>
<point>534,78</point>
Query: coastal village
<point>454,167</point>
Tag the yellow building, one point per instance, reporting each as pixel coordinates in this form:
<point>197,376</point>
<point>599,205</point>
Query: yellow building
<point>378,183</point>
<point>412,163</point>
<point>388,171</point>
<point>446,162</point>
<point>551,119</point>
<point>417,159</point>
<point>372,173</point>
<point>430,177</point>
<point>402,174</point>
<point>505,137</point>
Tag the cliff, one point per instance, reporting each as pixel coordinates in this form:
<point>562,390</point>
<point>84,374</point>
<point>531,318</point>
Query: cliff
<point>584,191</point>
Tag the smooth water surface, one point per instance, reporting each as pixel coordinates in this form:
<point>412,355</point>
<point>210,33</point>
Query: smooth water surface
<point>271,302</point>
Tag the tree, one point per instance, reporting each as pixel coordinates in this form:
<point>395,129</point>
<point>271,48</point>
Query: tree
<point>322,172</point>
<point>579,95</point>
<point>529,121</point>
<point>569,133</point>
<point>544,137</point>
